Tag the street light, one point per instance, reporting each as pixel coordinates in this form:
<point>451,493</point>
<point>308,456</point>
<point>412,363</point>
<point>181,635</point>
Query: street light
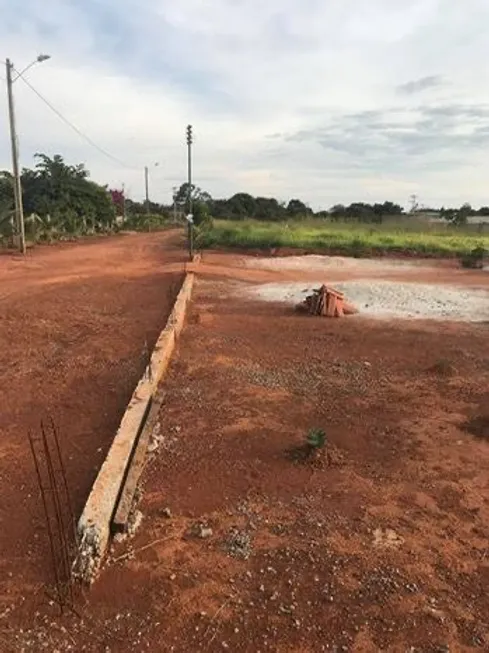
<point>146,184</point>
<point>19,208</point>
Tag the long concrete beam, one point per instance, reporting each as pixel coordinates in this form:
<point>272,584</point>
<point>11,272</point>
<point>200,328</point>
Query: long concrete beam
<point>94,523</point>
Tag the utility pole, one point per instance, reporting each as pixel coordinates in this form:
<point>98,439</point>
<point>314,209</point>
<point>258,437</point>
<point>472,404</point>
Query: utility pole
<point>175,191</point>
<point>19,208</point>
<point>189,193</point>
<point>123,203</point>
<point>146,186</point>
<point>414,203</point>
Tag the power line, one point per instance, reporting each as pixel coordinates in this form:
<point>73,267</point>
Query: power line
<point>72,126</point>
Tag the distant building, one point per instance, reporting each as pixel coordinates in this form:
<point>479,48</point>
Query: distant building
<point>429,216</point>
<point>478,219</point>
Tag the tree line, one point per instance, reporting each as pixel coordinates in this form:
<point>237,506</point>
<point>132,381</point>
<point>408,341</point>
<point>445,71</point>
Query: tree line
<point>61,199</point>
<point>243,206</point>
<point>58,199</point>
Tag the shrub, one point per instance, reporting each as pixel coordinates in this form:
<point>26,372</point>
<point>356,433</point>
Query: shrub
<point>475,259</point>
<point>202,216</point>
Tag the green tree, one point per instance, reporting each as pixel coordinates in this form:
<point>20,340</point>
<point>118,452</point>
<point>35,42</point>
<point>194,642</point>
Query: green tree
<point>58,199</point>
<point>202,215</point>
<point>241,205</point>
<point>462,214</point>
<point>297,207</point>
<point>6,205</point>
<point>65,194</point>
<point>337,212</point>
<point>364,212</point>
<point>197,194</point>
<point>268,208</point>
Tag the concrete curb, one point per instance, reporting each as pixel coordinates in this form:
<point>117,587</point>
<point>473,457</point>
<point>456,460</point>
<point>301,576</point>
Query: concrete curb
<point>94,523</point>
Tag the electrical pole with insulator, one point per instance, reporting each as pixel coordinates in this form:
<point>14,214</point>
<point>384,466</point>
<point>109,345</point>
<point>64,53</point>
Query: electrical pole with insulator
<point>190,218</point>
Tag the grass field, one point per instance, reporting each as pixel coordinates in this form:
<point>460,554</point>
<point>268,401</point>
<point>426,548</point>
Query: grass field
<point>353,239</point>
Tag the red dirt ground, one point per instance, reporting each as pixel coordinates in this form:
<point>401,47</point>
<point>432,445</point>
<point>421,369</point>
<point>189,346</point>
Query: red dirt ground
<point>227,265</point>
<point>377,544</point>
<point>73,326</point>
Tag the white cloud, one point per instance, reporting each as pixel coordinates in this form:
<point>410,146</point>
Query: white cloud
<point>133,74</point>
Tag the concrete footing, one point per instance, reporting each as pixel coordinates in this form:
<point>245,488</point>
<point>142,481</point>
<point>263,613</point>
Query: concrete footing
<point>95,521</point>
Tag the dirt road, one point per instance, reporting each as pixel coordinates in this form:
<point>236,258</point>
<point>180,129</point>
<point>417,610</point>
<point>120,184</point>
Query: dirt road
<point>76,323</point>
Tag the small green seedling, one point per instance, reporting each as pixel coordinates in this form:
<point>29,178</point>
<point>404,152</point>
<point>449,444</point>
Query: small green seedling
<point>316,439</point>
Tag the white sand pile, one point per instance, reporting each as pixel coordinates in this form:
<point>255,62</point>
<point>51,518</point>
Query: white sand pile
<point>390,299</point>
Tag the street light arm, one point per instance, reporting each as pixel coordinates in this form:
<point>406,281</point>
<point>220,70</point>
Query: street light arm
<point>23,71</point>
<point>39,59</point>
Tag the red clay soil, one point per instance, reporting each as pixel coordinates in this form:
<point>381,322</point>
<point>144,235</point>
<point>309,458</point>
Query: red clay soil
<point>401,255</point>
<point>228,265</point>
<point>76,324</point>
<point>376,543</point>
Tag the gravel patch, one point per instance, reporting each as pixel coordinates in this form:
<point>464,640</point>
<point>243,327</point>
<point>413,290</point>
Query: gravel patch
<point>311,378</point>
<point>315,262</point>
<point>389,299</point>
<point>238,544</point>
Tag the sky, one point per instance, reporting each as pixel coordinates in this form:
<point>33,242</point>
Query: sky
<point>329,101</point>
